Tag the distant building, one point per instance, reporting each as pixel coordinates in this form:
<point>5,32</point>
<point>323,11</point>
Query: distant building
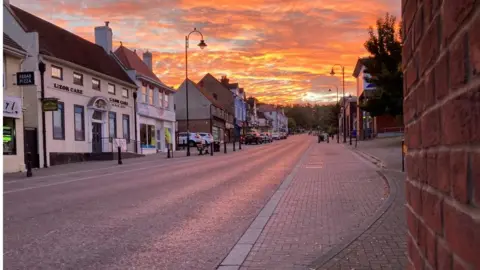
<point>277,116</point>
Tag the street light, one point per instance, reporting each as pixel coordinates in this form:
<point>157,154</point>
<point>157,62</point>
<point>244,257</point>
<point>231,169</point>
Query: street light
<point>343,82</point>
<point>202,45</point>
<point>338,133</point>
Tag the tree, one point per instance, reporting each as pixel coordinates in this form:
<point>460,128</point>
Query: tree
<point>292,125</point>
<point>384,67</point>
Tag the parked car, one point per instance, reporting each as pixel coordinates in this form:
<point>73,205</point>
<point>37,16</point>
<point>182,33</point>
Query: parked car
<point>276,136</point>
<point>207,137</point>
<point>283,135</point>
<point>253,138</point>
<point>266,137</point>
<point>194,139</point>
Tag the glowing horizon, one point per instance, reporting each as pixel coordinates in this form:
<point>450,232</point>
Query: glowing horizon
<point>278,51</point>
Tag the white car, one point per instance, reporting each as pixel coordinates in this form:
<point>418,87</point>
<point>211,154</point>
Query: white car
<point>194,139</point>
<point>276,136</point>
<point>207,137</point>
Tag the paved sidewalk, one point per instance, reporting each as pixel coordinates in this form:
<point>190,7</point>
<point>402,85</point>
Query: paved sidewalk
<point>332,194</point>
<point>383,245</point>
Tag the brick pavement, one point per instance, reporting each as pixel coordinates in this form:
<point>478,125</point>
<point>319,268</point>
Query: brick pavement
<point>331,195</point>
<point>383,245</point>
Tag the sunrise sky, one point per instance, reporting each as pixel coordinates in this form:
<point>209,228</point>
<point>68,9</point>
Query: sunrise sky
<point>280,51</point>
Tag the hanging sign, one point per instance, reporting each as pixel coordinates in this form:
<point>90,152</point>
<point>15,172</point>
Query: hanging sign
<point>50,104</point>
<point>26,78</point>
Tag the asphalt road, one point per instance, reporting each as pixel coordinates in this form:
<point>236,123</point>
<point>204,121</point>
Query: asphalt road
<point>182,214</point>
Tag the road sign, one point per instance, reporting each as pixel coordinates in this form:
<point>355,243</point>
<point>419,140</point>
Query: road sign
<point>26,78</point>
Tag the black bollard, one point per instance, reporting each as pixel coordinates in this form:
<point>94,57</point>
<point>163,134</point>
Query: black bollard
<point>318,138</point>
<point>225,147</point>
<point>240,144</point>
<point>211,149</point>
<point>29,165</point>
<point>233,145</point>
<point>120,156</point>
<point>168,151</point>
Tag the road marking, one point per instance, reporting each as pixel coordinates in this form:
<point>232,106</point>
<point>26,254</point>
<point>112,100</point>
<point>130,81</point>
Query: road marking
<point>242,248</point>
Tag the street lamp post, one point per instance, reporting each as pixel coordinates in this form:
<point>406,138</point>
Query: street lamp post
<point>343,83</point>
<point>338,133</point>
<point>202,45</point>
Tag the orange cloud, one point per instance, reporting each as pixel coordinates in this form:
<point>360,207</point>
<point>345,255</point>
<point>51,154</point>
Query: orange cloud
<point>279,50</point>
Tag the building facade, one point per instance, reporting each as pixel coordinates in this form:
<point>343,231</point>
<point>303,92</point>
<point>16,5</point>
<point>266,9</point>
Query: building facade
<point>13,129</point>
<point>239,107</point>
<point>206,113</point>
<point>277,116</point>
<point>91,95</point>
<point>156,126</point>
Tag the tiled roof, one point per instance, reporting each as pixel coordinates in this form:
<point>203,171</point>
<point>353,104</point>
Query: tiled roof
<point>8,41</point>
<point>214,86</point>
<point>132,61</point>
<point>208,95</point>
<point>62,44</point>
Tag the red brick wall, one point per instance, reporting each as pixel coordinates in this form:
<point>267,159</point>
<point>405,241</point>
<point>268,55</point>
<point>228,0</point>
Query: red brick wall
<point>387,123</point>
<point>441,60</point>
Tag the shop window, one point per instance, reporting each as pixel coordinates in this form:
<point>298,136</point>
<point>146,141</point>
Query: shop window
<point>58,120</point>
<point>126,127</point>
<point>112,124</point>
<point>79,122</point>
<point>77,78</point>
<point>111,89</point>
<point>9,136</point>
<point>96,84</point>
<point>124,92</point>
<point>57,72</point>
<point>147,136</point>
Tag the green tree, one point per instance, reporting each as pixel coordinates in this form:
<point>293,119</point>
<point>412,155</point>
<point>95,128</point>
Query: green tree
<point>384,66</point>
<point>292,125</point>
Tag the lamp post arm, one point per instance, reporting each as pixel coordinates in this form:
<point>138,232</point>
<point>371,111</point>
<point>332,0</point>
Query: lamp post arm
<point>194,31</point>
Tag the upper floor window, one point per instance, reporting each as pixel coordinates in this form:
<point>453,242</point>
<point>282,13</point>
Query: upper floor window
<point>111,89</point>
<point>165,101</point>
<point>57,72</point>
<point>150,96</point>
<point>95,84</point>
<point>125,92</point>
<point>77,78</point>
<point>144,94</point>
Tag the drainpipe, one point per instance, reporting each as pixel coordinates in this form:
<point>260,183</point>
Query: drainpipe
<point>135,119</point>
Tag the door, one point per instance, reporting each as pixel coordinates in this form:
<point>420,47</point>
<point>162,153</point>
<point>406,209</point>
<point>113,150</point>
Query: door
<point>96,137</point>
<point>31,146</point>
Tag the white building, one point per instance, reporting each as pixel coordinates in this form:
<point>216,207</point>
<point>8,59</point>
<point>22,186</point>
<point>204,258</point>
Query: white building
<point>94,93</point>
<point>155,102</point>
<point>13,131</point>
<point>277,116</point>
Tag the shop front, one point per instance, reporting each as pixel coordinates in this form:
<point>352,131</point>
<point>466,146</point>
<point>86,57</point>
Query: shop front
<point>156,126</point>
<point>13,154</point>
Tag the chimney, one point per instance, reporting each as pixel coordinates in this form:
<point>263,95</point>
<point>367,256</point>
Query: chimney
<point>103,37</point>
<point>147,59</point>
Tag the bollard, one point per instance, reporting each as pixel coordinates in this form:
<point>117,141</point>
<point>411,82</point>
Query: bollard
<point>211,148</point>
<point>318,138</point>
<point>29,165</point>
<point>240,144</point>
<point>171,147</point>
<point>168,151</point>
<point>225,147</point>
<point>233,145</point>
<point>120,156</point>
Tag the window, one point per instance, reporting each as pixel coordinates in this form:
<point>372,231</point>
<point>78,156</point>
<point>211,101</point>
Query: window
<point>126,126</point>
<point>79,122</point>
<point>147,136</point>
<point>112,124</point>
<point>9,136</point>
<point>165,101</point>
<point>144,94</point>
<point>125,93</point>
<point>77,78</point>
<point>111,89</point>
<point>215,96</point>
<point>95,84</point>
<point>57,72</point>
<point>150,96</point>
<point>58,120</point>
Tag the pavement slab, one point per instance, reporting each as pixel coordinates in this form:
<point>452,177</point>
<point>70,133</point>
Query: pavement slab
<point>332,194</point>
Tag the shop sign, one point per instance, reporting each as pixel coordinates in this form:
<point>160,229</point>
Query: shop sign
<point>26,78</point>
<point>67,88</point>
<point>50,104</point>
<point>118,103</point>
<point>12,107</point>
